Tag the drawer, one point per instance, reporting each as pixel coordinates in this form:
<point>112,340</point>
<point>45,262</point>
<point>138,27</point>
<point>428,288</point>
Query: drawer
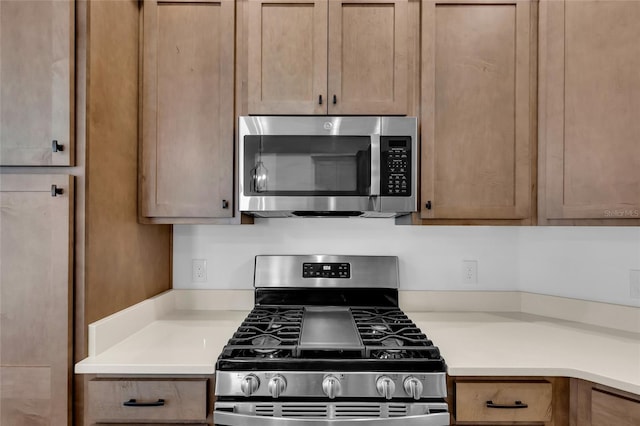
<point>169,400</point>
<point>496,401</point>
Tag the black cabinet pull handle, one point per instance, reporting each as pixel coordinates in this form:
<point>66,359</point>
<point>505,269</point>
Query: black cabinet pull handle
<point>55,191</point>
<point>517,404</point>
<point>134,403</point>
<point>225,204</point>
<point>320,100</point>
<point>428,205</point>
<point>335,99</point>
<point>56,147</point>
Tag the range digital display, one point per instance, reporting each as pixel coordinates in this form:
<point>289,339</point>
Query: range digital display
<point>326,270</point>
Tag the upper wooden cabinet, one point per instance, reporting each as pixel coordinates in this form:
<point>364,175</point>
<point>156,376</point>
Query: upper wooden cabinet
<point>35,299</point>
<point>187,109</point>
<point>36,82</point>
<point>327,57</point>
<point>478,110</point>
<point>589,107</point>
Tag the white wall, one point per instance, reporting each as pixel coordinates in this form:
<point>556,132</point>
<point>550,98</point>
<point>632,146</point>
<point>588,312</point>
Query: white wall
<point>577,262</point>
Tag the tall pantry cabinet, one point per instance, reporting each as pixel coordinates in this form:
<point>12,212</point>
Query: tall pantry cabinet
<point>74,252</point>
<point>36,238</point>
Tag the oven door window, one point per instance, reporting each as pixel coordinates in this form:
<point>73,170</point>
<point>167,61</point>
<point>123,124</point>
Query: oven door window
<point>307,165</point>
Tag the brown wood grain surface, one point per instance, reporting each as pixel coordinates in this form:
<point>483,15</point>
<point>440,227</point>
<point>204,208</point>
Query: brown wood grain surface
<point>589,131</point>
<point>35,299</point>
<point>187,110</point>
<point>368,47</point>
<point>36,82</point>
<point>287,56</point>
<point>478,102</point>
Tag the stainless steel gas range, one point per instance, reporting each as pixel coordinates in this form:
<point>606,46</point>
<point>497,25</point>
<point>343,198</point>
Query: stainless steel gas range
<point>326,344</point>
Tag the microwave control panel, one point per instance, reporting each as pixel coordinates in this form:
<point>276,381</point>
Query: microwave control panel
<point>395,159</point>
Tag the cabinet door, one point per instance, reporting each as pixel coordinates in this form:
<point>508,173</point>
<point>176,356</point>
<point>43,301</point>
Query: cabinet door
<point>36,82</point>
<point>597,405</point>
<point>287,56</point>
<point>368,64</point>
<point>187,109</point>
<point>35,315</point>
<point>478,83</point>
<point>588,114</point>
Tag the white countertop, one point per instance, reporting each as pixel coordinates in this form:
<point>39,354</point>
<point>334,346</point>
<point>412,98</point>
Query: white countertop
<point>181,342</point>
<point>188,341</point>
<point>516,344</point>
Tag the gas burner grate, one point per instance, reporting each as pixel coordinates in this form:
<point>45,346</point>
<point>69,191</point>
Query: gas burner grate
<point>268,332</point>
<point>388,333</point>
<point>273,333</point>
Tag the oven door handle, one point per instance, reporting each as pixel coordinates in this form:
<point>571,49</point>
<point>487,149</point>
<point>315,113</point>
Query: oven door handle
<point>224,418</point>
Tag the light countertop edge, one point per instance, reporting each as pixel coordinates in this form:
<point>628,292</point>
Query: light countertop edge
<point>188,340</point>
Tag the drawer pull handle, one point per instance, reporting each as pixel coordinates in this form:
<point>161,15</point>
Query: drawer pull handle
<point>517,404</point>
<point>135,403</point>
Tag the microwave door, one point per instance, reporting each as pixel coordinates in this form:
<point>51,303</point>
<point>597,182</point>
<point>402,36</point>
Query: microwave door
<point>375,166</point>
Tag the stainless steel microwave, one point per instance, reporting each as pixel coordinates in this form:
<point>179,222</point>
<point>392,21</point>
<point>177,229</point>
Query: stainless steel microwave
<point>327,166</point>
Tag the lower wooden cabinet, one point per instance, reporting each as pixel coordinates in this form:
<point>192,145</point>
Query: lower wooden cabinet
<point>509,401</point>
<point>142,400</point>
<point>503,401</point>
<point>36,213</point>
<point>597,405</point>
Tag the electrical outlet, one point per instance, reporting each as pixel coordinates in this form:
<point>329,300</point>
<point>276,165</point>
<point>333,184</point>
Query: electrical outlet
<point>470,272</point>
<point>634,283</point>
<point>199,270</point>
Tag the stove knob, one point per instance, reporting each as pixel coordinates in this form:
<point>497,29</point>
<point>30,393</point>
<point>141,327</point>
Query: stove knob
<point>276,386</point>
<point>413,387</point>
<point>331,386</point>
<point>386,387</point>
<point>250,383</point>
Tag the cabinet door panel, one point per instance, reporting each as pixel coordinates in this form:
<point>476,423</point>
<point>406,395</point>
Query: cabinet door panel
<point>590,98</point>
<point>35,283</point>
<point>476,158</point>
<point>607,409</point>
<point>187,141</point>
<point>287,60</point>
<point>368,57</point>
<point>36,81</point>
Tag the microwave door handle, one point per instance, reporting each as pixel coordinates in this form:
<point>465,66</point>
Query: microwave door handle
<point>375,166</point>
<point>225,418</point>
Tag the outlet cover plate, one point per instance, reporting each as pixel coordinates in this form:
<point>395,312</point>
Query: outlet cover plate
<point>199,270</point>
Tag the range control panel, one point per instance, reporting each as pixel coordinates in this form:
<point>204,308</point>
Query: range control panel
<point>326,270</point>
<point>395,159</point>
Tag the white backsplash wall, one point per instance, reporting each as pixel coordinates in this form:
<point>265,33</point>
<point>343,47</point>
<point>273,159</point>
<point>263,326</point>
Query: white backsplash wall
<point>577,262</point>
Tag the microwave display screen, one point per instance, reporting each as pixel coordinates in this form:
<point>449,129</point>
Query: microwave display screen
<point>307,165</point>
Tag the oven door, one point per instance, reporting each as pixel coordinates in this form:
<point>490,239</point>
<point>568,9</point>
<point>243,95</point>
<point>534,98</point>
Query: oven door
<point>334,414</point>
<point>311,164</point>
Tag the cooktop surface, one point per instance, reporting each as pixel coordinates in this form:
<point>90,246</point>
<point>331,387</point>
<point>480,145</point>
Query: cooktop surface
<point>318,338</point>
